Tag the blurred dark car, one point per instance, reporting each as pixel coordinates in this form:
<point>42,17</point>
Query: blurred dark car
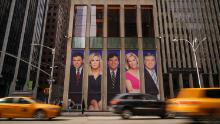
<point>130,104</point>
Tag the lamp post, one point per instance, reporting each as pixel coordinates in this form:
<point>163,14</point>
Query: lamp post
<point>194,45</point>
<point>51,80</point>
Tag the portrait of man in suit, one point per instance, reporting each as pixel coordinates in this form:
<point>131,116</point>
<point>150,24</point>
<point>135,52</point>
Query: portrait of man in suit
<point>76,75</point>
<point>113,76</point>
<point>151,81</point>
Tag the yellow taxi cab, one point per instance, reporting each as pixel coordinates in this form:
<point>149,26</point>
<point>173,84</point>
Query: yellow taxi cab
<point>196,102</point>
<point>25,107</point>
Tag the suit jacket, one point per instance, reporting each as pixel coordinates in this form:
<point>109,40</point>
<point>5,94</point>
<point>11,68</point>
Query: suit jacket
<point>75,87</point>
<point>112,91</point>
<point>150,86</point>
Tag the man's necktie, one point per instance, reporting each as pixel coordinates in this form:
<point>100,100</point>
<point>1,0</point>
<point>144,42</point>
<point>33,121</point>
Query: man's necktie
<point>77,75</point>
<point>154,77</point>
<point>113,79</point>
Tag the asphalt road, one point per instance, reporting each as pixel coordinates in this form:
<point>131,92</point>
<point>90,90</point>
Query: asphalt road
<point>98,120</point>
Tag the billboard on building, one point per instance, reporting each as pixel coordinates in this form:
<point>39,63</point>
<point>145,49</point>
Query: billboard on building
<point>132,76</point>
<point>150,73</point>
<point>94,80</point>
<point>76,76</point>
<point>113,74</point>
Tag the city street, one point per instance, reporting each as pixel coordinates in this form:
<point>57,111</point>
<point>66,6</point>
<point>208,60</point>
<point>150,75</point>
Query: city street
<point>98,120</point>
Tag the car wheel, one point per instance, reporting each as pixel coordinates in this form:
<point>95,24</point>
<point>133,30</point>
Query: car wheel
<point>170,115</point>
<point>39,114</point>
<point>162,116</point>
<point>126,114</point>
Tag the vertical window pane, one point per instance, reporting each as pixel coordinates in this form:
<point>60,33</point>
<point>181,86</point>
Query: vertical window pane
<point>79,30</point>
<point>130,27</point>
<point>96,42</point>
<point>114,27</point>
<point>114,42</point>
<point>147,21</point>
<point>131,43</point>
<point>78,42</point>
<point>113,21</point>
<point>130,21</point>
<point>149,43</point>
<point>96,29</point>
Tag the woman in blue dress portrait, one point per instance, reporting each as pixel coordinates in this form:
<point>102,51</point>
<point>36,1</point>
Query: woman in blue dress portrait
<point>94,82</point>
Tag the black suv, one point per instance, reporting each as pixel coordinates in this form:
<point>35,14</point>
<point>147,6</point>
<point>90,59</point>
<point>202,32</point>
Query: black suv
<point>129,104</point>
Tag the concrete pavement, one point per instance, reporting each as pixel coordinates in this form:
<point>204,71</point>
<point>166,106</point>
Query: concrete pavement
<point>88,113</point>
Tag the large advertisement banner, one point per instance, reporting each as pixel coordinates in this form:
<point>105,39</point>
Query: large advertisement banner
<point>94,80</point>
<point>150,74</point>
<point>132,76</point>
<point>131,72</point>
<point>76,76</point>
<point>113,74</point>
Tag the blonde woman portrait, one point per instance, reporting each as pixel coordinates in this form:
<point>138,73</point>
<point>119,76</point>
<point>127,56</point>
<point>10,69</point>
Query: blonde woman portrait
<point>132,74</point>
<point>94,81</point>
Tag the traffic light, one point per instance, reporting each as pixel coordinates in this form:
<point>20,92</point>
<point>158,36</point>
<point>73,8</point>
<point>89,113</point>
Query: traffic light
<point>46,91</point>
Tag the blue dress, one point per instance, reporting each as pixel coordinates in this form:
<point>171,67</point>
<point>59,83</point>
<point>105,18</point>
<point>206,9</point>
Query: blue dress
<point>94,88</point>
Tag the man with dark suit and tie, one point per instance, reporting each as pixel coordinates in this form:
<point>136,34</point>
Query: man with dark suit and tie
<point>76,75</point>
<point>151,82</point>
<point>113,76</point>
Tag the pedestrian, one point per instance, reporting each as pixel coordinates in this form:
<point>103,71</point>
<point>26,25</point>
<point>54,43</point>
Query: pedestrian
<point>83,107</point>
<point>61,103</point>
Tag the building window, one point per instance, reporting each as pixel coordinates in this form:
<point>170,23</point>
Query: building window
<point>79,30</point>
<point>114,27</point>
<point>96,28</point>
<point>147,21</point>
<point>130,27</point>
<point>130,21</point>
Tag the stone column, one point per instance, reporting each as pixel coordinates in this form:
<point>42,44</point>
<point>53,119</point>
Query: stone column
<point>68,58</point>
<point>140,48</point>
<point>86,56</point>
<point>104,58</point>
<point>122,58</point>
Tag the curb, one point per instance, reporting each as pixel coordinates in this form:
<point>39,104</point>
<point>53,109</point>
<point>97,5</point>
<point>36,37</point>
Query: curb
<point>79,114</point>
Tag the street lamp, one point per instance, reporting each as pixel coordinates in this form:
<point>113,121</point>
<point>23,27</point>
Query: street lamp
<point>194,45</point>
<point>51,80</point>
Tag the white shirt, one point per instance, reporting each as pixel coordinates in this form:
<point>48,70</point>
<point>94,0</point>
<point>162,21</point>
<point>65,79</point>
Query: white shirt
<point>115,71</point>
<point>80,70</point>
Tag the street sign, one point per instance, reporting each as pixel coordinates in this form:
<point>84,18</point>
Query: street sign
<point>50,80</point>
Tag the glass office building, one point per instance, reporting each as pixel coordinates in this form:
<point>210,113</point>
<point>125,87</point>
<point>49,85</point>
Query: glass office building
<point>22,24</point>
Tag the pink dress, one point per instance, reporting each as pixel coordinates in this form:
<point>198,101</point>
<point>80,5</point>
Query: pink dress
<point>135,82</point>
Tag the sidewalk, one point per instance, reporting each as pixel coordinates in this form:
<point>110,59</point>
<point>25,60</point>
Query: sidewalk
<point>79,114</point>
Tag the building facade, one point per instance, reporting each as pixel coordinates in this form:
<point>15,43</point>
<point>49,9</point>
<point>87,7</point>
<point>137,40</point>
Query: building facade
<point>140,27</point>
<point>22,24</point>
<point>56,30</point>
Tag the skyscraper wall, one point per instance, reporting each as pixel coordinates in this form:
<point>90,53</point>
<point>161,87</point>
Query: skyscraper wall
<point>22,24</point>
<point>189,20</point>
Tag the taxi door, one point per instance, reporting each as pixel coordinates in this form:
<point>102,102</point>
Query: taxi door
<point>8,108</point>
<point>24,108</point>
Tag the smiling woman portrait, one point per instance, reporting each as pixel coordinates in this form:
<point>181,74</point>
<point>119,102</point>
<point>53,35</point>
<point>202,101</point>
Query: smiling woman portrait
<point>132,74</point>
<point>94,82</point>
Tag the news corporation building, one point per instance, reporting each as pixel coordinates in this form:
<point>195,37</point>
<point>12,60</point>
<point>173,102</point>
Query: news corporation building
<point>113,47</point>
<point>131,30</point>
